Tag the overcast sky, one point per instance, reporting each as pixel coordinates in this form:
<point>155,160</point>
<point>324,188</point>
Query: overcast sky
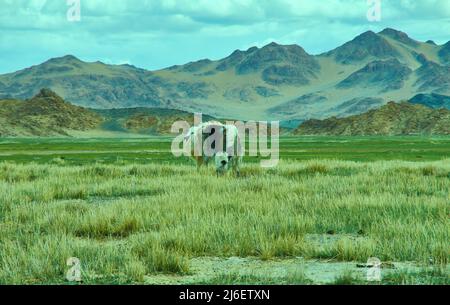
<point>154,34</point>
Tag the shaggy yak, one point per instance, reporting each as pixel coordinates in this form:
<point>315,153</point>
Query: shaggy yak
<point>214,140</point>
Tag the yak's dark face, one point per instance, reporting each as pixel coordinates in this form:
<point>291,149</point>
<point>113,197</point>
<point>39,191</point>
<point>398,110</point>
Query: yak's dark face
<point>221,161</point>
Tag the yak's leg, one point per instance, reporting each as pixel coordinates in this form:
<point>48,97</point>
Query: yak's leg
<point>207,160</point>
<point>237,172</point>
<point>199,161</point>
<point>236,167</point>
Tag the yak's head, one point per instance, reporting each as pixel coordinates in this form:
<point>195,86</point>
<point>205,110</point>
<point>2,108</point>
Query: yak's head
<point>221,161</point>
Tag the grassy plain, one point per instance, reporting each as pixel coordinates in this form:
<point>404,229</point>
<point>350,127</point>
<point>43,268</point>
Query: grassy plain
<point>134,214</point>
<point>79,151</point>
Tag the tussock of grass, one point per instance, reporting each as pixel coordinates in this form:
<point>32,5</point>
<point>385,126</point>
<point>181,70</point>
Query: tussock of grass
<point>316,169</point>
<point>158,258</point>
<point>234,278</point>
<point>347,278</point>
<point>12,174</point>
<point>433,276</point>
<point>108,227</point>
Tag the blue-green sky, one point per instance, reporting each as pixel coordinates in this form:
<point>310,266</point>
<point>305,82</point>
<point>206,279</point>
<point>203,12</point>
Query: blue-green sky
<point>154,34</point>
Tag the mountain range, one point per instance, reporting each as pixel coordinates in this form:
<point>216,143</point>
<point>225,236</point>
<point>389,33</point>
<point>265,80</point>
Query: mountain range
<point>275,82</point>
<point>47,114</point>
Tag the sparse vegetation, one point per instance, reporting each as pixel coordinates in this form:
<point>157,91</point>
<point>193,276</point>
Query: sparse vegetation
<point>434,276</point>
<point>347,278</point>
<point>127,221</point>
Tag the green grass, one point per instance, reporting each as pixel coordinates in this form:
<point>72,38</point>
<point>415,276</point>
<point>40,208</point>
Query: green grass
<point>127,221</point>
<point>347,278</point>
<point>435,276</point>
<point>157,149</point>
<point>235,278</point>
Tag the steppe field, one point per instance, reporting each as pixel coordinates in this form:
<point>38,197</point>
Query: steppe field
<point>133,213</point>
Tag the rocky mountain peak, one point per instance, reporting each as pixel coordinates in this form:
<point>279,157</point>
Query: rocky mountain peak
<point>368,44</point>
<point>66,59</point>
<point>398,36</point>
<point>46,93</point>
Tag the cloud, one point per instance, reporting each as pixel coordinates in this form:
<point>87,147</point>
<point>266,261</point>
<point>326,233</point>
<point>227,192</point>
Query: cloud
<point>158,33</point>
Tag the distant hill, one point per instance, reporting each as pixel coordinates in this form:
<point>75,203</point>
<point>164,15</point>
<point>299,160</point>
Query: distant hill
<point>432,100</point>
<point>46,114</point>
<point>153,121</point>
<point>86,84</point>
<point>392,119</point>
<point>274,82</point>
